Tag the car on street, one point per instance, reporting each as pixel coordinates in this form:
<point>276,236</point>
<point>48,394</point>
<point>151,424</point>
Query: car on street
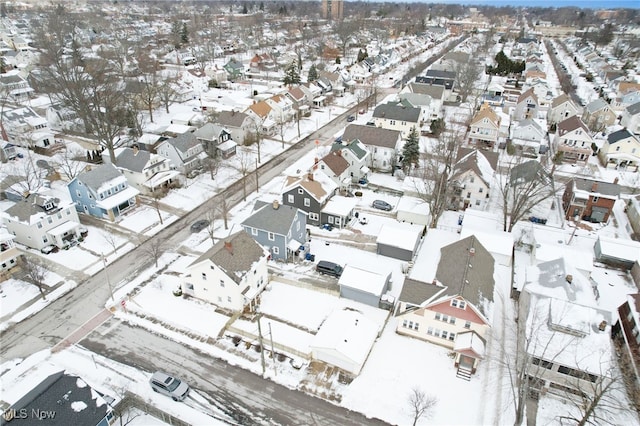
<point>199,225</point>
<point>170,386</point>
<point>382,205</point>
<point>351,118</point>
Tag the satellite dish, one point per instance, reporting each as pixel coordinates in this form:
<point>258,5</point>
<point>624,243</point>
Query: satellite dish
<point>43,164</point>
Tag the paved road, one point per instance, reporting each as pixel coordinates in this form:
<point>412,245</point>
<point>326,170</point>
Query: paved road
<point>242,395</point>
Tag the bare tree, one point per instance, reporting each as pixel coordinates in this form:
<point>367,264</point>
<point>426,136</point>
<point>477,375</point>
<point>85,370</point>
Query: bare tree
<point>523,186</point>
<point>467,74</point>
<point>420,404</point>
<point>156,195</point>
<point>111,239</point>
<point>211,216</point>
<point>244,166</point>
<point>149,83</point>
<point>153,249</point>
<point>68,162</point>
<point>32,176</point>
<point>223,209</point>
<point>167,92</point>
<point>344,31</point>
<point>36,273</point>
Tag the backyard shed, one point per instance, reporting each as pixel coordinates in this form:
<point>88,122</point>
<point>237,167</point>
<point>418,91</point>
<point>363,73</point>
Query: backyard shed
<point>363,286</point>
<point>399,240</point>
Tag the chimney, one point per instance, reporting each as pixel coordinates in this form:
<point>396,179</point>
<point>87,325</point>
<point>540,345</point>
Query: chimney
<point>594,187</point>
<point>569,278</point>
<point>135,149</point>
<point>602,326</point>
<point>228,246</point>
<point>310,177</point>
<point>615,181</point>
<point>275,204</point>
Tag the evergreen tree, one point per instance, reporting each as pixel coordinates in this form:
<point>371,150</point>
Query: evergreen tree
<point>362,54</point>
<point>244,9</point>
<point>175,33</point>
<point>291,75</point>
<point>313,73</point>
<point>262,6</point>
<point>184,34</point>
<point>411,150</point>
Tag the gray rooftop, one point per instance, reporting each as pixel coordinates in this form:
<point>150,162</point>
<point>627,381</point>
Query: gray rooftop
<point>398,112</point>
<point>416,292</point>
<point>466,268</point>
<point>267,218</point>
<point>209,132</point>
<point>618,136</point>
<point>133,159</point>
<point>231,118</point>
<point>604,188</point>
<point>97,176</point>
<point>31,205</point>
<point>183,142</point>
<point>634,108</point>
<point>372,135</point>
<point>235,255</point>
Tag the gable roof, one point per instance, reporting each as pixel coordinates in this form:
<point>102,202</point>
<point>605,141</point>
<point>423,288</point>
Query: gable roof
<point>65,395</point>
<point>619,135</point>
<point>415,292</point>
<point>336,162</point>
<point>597,187</point>
<point>133,159</point>
<point>529,171</point>
<point>486,112</point>
<point>393,111</point>
<point>261,109</point>
<point>435,91</point>
<point>526,94</point>
<point>209,131</point>
<point>482,163</point>
<point>231,118</point>
<point>235,255</point>
<point>596,105</point>
<point>32,205</point>
<point>183,142</point>
<point>372,135</point>
<point>559,100</point>
<point>319,186</point>
<point>466,268</point>
<point>96,177</point>
<point>269,218</point>
<point>633,109</point>
<point>570,124</point>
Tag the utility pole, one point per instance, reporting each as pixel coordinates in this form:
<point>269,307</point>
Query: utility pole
<point>261,345</point>
<point>257,185</point>
<point>273,354</point>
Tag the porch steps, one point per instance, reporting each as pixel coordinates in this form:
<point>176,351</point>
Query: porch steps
<point>464,373</point>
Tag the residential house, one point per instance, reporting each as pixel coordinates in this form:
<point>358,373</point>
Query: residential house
<point>62,118</point>
<point>454,308</point>
<point>590,199</point>
<point>485,128</point>
<point>7,151</point>
<point>144,171</point>
<point>336,167</point>
<point>527,106</point>
<point>631,118</point>
<point>335,82</point>
<point>562,107</point>
<point>279,228</point>
<point>493,96</point>
<point>9,253</point>
<point>213,137</point>
<point>621,150</point>
<point>282,107</point>
<point>60,399</point>
<point>424,102</point>
<point>633,214</point>
<point>573,140</point>
<point>397,116</point>
<point>240,125</point>
<point>472,178</point>
<point>436,93</point>
<point>310,193</point>
<point>25,127</point>
<point>265,117</point>
<point>529,137</point>
<point>185,152</point>
<point>15,88</point>
<point>558,319</point>
<point>626,335</point>
<point>301,98</point>
<point>383,145</point>
<point>447,79</point>
<point>339,211</point>
<point>102,192</point>
<point>234,69</point>
<point>357,155</point>
<point>262,63</point>
<point>230,275</point>
<point>40,220</point>
<point>617,253</point>
<point>598,114</point>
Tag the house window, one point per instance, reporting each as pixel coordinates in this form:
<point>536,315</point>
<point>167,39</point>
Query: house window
<point>290,199</point>
<point>78,193</point>
<point>271,236</point>
<point>595,199</point>
<point>307,202</point>
<point>204,276</point>
<point>542,363</point>
<point>229,299</point>
<point>276,250</point>
<point>313,216</point>
<point>430,331</point>
<point>254,231</point>
<point>59,215</point>
<point>211,267</point>
<point>452,336</point>
<point>221,283</point>
<point>438,316</point>
<point>39,225</point>
<point>477,202</point>
<point>300,191</point>
<point>480,190</point>
<point>468,195</point>
<point>467,324</point>
<point>189,286</point>
<point>405,323</point>
<point>219,299</point>
<point>471,179</point>
<point>445,335</point>
<point>49,220</point>
<point>452,320</point>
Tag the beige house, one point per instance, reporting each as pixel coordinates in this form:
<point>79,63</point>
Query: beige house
<point>527,106</point>
<point>598,114</point>
<point>230,275</point>
<point>472,177</point>
<point>485,127</point>
<point>621,151</point>
<point>562,107</point>
<point>398,116</point>
<point>574,140</point>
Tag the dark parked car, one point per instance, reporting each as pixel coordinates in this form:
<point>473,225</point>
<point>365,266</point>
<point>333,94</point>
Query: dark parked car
<point>382,205</point>
<point>351,118</point>
<point>199,225</point>
<point>329,268</point>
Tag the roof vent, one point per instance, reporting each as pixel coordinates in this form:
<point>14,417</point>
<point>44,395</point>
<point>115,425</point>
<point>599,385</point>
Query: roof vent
<point>569,278</point>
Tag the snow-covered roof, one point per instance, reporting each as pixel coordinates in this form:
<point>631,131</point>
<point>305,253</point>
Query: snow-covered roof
<point>349,333</point>
<point>364,280</point>
<point>402,235</point>
<point>619,248</point>
<point>469,341</point>
<point>340,206</point>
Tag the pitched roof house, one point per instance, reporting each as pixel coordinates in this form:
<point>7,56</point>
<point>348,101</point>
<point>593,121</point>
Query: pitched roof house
<point>239,124</point>
<point>472,178</point>
<point>574,140</point>
<point>626,332</point>
<point>590,199</point>
<point>184,151</point>
<point>336,167</point>
<point>102,192</point>
<point>598,114</point>
<point>9,253</point>
<point>527,106</point>
<point>396,116</point>
<point>280,229</point>
<point>144,171</point>
<point>621,150</point>
<point>310,193</point>
<point>230,275</point>
<point>631,118</point>
<point>562,107</point>
<point>357,155</point>
<point>383,145</point>
<point>485,127</point>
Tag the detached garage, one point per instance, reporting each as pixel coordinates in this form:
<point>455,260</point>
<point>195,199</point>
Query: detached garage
<point>363,286</point>
<point>399,240</point>
<point>345,340</point>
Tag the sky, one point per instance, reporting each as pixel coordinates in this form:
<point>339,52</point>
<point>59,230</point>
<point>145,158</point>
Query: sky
<point>586,4</point>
